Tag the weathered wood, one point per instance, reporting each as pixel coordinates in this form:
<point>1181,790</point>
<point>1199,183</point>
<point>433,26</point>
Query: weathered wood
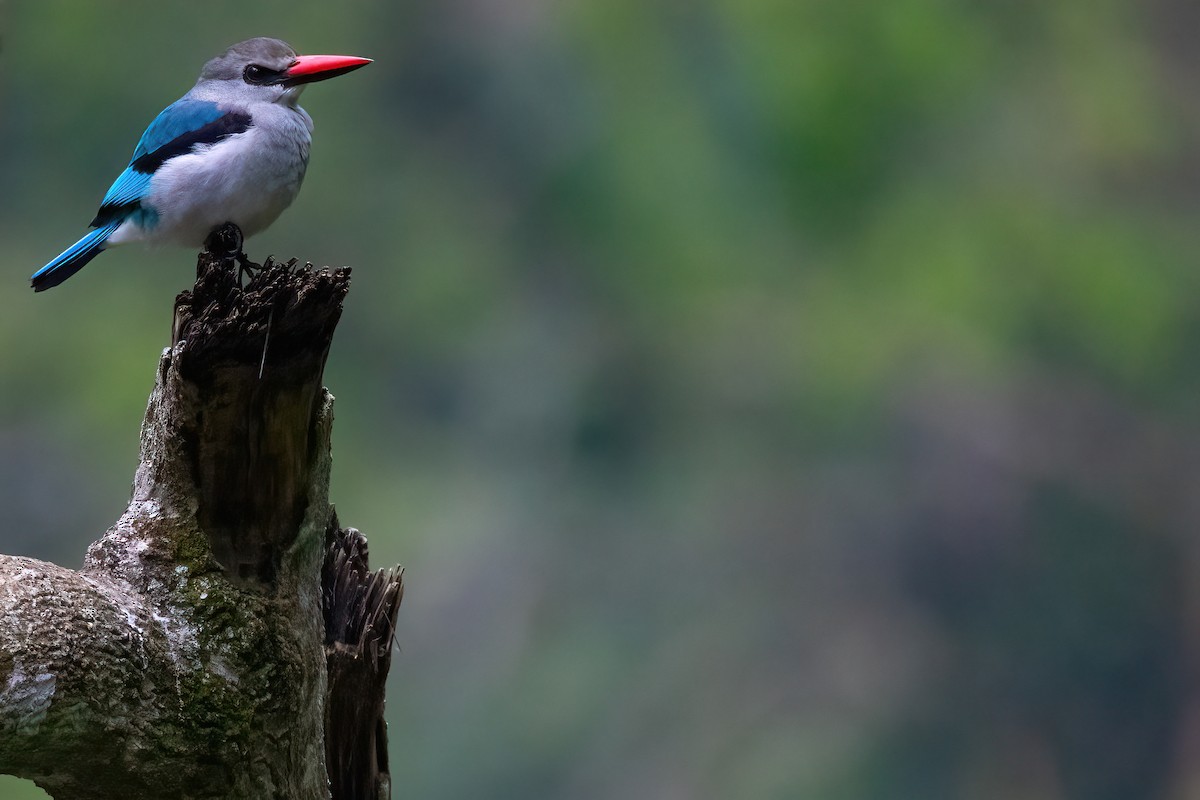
<point>187,657</point>
<point>360,624</point>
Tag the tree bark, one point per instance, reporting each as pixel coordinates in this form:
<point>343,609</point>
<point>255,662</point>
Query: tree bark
<point>189,656</point>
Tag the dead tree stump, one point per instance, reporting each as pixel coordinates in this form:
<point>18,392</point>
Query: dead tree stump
<point>225,638</point>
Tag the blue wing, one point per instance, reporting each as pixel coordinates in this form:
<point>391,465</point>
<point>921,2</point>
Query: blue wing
<point>177,130</point>
<point>178,119</point>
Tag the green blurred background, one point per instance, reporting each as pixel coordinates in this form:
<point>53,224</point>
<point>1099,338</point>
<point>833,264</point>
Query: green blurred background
<point>767,398</point>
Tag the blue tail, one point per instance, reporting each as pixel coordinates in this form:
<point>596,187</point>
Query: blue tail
<point>73,258</point>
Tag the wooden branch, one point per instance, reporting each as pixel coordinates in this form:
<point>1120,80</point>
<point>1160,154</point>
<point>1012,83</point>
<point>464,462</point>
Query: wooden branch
<point>188,657</point>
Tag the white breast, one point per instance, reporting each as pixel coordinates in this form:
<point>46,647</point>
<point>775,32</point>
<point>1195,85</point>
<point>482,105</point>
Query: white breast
<point>248,179</point>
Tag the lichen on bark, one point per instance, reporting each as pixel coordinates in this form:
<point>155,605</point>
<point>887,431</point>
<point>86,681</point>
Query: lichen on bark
<point>187,658</point>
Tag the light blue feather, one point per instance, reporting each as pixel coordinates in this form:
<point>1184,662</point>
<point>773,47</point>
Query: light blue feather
<point>129,187</point>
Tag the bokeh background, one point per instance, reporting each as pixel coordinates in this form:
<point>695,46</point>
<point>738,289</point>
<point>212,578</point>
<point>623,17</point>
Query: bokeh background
<point>767,398</point>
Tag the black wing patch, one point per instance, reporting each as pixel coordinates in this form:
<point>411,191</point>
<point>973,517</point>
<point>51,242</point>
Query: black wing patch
<point>220,128</point>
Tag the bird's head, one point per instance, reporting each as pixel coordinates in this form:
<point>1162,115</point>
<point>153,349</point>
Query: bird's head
<point>268,70</point>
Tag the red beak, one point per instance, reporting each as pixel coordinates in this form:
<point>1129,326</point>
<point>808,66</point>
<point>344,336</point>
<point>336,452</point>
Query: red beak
<point>307,69</point>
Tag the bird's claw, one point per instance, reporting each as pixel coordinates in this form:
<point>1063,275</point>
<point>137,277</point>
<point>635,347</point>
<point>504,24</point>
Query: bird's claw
<point>246,267</point>
<point>225,243</point>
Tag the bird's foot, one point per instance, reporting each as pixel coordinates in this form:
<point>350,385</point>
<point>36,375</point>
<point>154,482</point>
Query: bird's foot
<point>246,267</point>
<point>225,242</point>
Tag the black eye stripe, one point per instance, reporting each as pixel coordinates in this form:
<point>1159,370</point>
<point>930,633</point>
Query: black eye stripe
<point>259,75</point>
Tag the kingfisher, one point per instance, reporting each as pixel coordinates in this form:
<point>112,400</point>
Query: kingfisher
<point>232,150</point>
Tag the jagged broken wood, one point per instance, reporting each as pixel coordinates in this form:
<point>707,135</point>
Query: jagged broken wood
<point>225,638</point>
<point>360,619</point>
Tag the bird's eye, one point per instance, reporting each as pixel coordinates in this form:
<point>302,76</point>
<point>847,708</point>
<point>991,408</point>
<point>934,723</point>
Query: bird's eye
<point>258,75</point>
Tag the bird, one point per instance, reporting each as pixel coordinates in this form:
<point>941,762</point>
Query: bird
<point>234,149</point>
